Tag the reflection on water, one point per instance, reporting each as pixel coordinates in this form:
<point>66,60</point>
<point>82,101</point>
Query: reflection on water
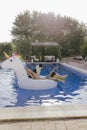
<point>72,91</point>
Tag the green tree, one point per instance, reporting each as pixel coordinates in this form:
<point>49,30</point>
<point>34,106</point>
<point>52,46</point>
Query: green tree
<point>72,37</point>
<point>84,49</point>
<point>22,31</point>
<point>67,32</point>
<point>7,47</point>
<point>22,47</point>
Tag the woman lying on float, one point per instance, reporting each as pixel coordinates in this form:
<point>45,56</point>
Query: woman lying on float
<point>52,75</point>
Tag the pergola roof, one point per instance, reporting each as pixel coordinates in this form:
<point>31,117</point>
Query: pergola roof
<point>44,43</point>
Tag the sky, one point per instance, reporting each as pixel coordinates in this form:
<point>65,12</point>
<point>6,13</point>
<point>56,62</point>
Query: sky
<point>9,9</point>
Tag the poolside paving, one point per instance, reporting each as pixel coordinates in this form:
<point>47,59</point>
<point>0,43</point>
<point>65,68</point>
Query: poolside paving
<point>77,63</point>
<point>58,117</point>
<point>75,124</point>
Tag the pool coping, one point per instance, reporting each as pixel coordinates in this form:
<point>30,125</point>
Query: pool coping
<point>74,68</point>
<point>43,112</point>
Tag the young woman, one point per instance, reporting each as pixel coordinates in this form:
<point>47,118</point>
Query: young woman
<point>52,75</point>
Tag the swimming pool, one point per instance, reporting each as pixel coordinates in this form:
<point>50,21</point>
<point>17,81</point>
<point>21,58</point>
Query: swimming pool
<point>72,91</point>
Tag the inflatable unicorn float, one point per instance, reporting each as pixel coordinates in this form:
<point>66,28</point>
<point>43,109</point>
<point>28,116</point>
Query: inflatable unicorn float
<point>24,81</point>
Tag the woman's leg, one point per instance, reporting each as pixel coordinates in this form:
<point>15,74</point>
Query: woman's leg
<point>32,74</point>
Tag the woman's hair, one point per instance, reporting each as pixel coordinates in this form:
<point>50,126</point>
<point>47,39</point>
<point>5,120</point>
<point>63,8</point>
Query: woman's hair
<point>40,65</point>
<point>52,74</point>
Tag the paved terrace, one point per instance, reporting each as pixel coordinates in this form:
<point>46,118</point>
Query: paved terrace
<point>77,63</point>
<point>59,117</point>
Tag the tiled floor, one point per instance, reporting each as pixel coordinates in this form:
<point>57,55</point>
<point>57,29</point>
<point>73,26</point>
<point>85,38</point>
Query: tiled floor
<point>70,124</point>
<point>68,117</point>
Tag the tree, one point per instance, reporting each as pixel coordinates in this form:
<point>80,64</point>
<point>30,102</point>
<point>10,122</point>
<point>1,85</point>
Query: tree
<point>84,49</point>
<point>22,47</point>
<point>7,47</point>
<point>72,37</point>
<point>22,31</point>
<point>67,32</point>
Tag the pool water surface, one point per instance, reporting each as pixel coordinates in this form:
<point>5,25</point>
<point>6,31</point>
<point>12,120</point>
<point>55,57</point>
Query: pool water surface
<point>72,91</point>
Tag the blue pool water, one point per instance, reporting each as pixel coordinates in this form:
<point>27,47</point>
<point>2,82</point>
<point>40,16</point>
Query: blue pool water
<point>72,91</point>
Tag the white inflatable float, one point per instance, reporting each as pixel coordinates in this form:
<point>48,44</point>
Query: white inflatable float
<point>23,80</point>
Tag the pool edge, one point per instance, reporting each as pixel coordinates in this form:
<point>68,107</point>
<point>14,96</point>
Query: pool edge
<point>43,112</point>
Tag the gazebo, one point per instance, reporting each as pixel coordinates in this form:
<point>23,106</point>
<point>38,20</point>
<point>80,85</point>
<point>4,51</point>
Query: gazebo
<point>43,46</point>
<point>44,43</point>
